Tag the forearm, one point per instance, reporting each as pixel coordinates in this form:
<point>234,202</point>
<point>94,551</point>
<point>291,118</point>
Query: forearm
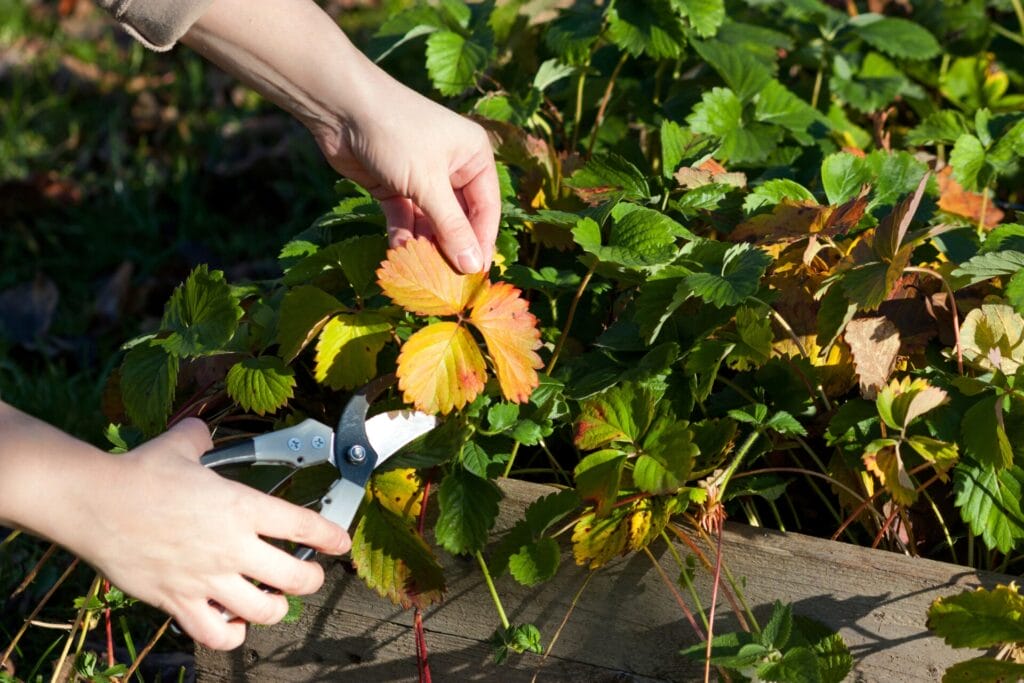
<point>47,478</point>
<point>295,55</point>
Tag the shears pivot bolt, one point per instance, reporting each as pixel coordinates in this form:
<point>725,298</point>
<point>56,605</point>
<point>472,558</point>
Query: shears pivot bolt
<point>356,454</point>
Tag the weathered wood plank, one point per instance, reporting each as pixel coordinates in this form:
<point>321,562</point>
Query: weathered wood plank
<point>626,627</point>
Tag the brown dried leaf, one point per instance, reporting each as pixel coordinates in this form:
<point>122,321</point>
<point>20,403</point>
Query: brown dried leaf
<point>954,199</point>
<point>874,343</point>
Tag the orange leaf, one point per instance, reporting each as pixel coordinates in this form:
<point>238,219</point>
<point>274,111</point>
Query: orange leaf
<point>417,278</point>
<point>512,338</point>
<point>953,198</point>
<point>440,368</point>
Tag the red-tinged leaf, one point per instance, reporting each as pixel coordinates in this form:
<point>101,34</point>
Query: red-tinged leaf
<point>416,277</point>
<point>440,368</point>
<point>954,199</point>
<point>512,337</point>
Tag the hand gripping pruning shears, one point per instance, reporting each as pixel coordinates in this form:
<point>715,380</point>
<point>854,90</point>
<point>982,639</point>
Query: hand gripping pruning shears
<point>356,448</point>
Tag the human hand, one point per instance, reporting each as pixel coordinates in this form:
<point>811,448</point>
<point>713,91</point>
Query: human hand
<point>432,171</point>
<point>177,536</point>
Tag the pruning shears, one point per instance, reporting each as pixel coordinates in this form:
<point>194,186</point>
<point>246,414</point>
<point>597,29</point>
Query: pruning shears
<point>356,447</point>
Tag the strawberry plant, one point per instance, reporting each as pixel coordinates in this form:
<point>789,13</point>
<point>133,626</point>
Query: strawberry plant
<point>751,253</point>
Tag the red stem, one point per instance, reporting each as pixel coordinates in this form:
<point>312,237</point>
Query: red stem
<point>422,663</point>
<point>110,629</point>
<point>714,601</point>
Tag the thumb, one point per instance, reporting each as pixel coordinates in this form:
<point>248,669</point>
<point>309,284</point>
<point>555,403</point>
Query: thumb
<point>452,230</point>
<point>190,438</point>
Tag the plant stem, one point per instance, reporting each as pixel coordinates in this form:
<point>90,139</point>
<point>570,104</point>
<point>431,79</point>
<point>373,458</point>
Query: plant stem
<point>723,480</point>
<point>9,539</point>
<point>494,593</point>
<point>942,523</point>
<point>687,579</point>
<point>1019,11</point>
<point>735,596</point>
<point>565,620</point>
<point>36,610</point>
<point>675,594</point>
<point>952,310</point>
<point>81,619</point>
<point>578,114</point>
<point>1007,33</point>
<point>145,651</point>
<point>511,460</point>
<point>34,572</point>
<point>714,600</point>
<point>604,103</point>
<point>569,317</point>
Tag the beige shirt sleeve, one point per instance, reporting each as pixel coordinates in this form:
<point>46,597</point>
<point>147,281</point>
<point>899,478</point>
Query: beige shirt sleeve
<point>157,24</point>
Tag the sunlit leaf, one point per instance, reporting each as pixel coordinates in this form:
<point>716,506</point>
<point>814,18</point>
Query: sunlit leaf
<point>453,61</point>
<point>596,541</point>
<point>441,368</point>
<point>536,562</point>
<point>510,331</point>
<point>598,477</point>
<point>621,414</point>
<point>984,434</point>
<point>992,337</point>
<point>394,560</point>
<point>399,492</point>
<point>882,458</point>
<point>874,343</point>
<point>990,501</point>
<point>983,670</point>
<point>980,618</point>
<point>202,314</point>
<point>416,277</point>
<point>261,385</point>
<point>304,312</point>
<point>346,353</point>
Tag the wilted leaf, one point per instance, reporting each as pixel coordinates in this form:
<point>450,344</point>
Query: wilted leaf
<point>440,368</point>
<point>596,541</point>
<point>605,175</point>
<point>874,343</point>
<point>510,332</point>
<point>954,199</point>
<point>346,353</point>
<point>992,337</point>
<point>399,492</point>
<point>882,458</point>
<point>261,385</point>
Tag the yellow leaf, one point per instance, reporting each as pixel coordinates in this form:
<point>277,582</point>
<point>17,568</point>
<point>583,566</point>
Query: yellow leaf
<point>512,337</point>
<point>399,492</point>
<point>597,541</point>
<point>887,464</point>
<point>417,278</point>
<point>440,368</point>
<point>346,354</point>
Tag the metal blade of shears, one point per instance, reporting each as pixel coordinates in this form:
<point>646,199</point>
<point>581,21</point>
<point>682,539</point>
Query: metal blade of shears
<point>389,432</point>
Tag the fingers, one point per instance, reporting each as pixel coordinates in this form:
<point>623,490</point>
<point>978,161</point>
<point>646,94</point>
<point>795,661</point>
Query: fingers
<point>453,231</point>
<point>276,518</point>
<point>246,601</point>
<point>400,217</point>
<point>206,625</point>
<point>274,567</point>
<point>482,198</point>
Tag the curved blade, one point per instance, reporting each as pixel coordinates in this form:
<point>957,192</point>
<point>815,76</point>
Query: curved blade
<point>388,432</point>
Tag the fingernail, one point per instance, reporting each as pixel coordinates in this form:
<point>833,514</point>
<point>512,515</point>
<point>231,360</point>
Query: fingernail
<point>470,260</point>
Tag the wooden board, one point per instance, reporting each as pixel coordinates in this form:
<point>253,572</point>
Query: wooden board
<point>625,627</point>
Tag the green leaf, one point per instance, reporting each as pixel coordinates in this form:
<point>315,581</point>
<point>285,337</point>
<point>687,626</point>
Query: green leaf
<point>609,174</point>
<point>476,459</point>
<point>984,436</point>
<point>667,457</point>
<point>540,516</point>
<point>621,414</point>
<point>896,174</point>
<point>785,424</point>
<point>518,638</point>
<point>304,312</point>
<point>202,314</point>
<point>798,665</point>
<point>834,659</point>
<point>468,509</point>
<point>638,238</point>
<point>983,670</point>
<point>1015,291</point>
<point>705,16</point>
<point>745,75</point>
<point>536,562</point>
<point>753,338</point>
<point>720,113</point>
<point>659,297</point>
<point>261,385</point>
<point>572,33</point>
<point>551,71</point>
<point>598,478</point>
<point>648,27</point>
<point>394,560</point>
<point>453,62</point>
<point>346,353</point>
<point>942,127</point>
<point>773,191</point>
<point>359,258</point>
<point>980,618</point>
<point>776,632</point>
<point>843,175</point>
<point>990,264</point>
<point>148,378</point>
<point>989,500</point>
<point>968,162</point>
<point>739,277</point>
<point>777,105</point>
<point>502,416</point>
<point>896,37</point>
